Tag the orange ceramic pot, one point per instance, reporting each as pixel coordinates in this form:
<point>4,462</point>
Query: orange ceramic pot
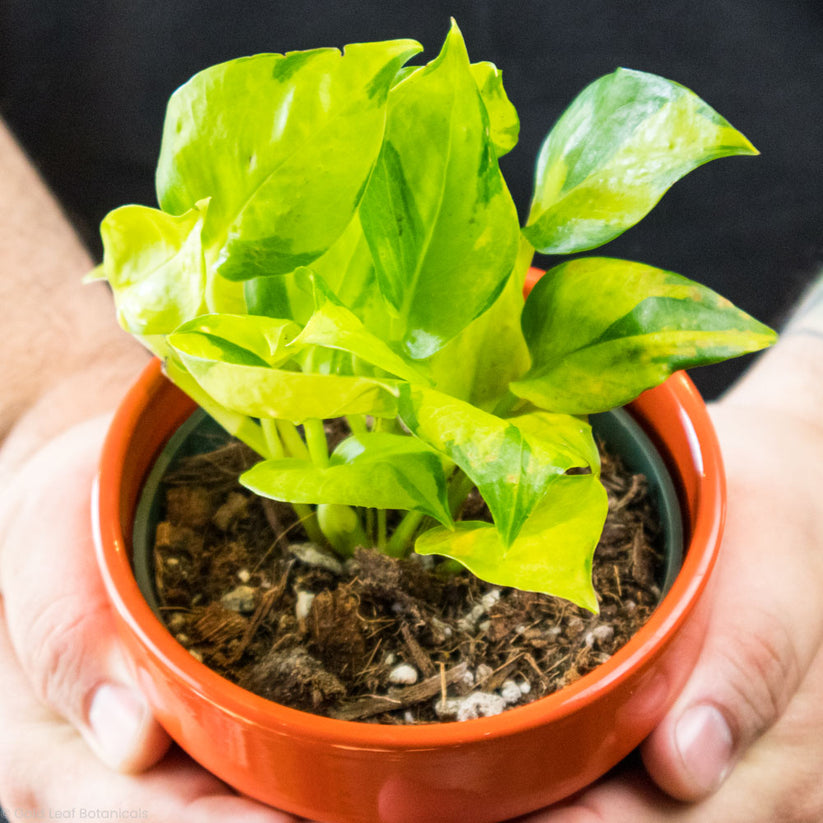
<point>484,770</point>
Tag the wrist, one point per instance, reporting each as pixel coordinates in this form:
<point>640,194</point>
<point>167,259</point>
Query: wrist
<point>807,321</point>
<point>789,377</point>
<point>81,394</point>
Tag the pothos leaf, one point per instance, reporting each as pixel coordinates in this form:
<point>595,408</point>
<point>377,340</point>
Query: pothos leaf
<point>154,264</point>
<point>504,124</point>
<point>240,380</point>
<point>478,363</point>
<point>436,214</point>
<point>600,331</point>
<point>553,551</point>
<point>510,465</point>
<point>236,424</point>
<point>269,139</point>
<point>378,470</point>
<point>267,339</point>
<point>332,325</point>
<point>346,268</point>
<point>613,154</point>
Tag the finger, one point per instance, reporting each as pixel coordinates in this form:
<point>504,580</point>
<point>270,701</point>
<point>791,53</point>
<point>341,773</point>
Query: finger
<point>778,778</point>
<point>765,623</point>
<point>58,616</point>
<point>48,772</point>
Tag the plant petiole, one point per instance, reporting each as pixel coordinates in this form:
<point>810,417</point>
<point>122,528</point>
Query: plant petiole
<point>292,441</point>
<point>357,423</point>
<point>308,520</point>
<point>316,441</point>
<point>399,544</point>
<point>273,441</point>
<point>381,529</point>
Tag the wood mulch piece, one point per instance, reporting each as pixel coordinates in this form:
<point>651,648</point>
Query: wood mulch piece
<point>377,639</point>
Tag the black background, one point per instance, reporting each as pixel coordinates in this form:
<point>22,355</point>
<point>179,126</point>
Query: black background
<point>83,84</point>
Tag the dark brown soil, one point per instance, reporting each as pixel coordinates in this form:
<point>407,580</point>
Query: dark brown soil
<point>375,638</point>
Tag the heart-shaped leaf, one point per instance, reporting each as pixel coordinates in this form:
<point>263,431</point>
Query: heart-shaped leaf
<point>510,465</point>
<point>377,470</point>
<point>437,215</point>
<point>332,325</point>
<point>551,554</point>
<point>269,139</point>
<point>271,341</point>
<point>346,268</point>
<point>601,331</point>
<point>504,124</point>
<point>242,381</point>
<point>479,362</point>
<point>154,264</point>
<point>615,152</point>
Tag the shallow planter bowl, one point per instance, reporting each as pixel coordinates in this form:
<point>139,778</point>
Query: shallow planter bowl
<point>484,770</point>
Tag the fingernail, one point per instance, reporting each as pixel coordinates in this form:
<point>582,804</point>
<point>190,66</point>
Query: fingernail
<point>116,718</point>
<point>706,746</point>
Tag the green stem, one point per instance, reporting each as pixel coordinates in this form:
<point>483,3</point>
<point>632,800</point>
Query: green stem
<point>273,441</point>
<point>357,423</point>
<point>399,544</point>
<point>381,529</point>
<point>460,485</point>
<point>292,441</point>
<point>371,529</point>
<point>317,443</point>
<point>342,528</point>
<point>308,520</point>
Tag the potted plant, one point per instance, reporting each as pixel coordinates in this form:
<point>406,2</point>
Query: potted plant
<point>335,241</point>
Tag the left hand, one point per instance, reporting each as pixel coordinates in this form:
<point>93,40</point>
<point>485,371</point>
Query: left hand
<point>757,756</point>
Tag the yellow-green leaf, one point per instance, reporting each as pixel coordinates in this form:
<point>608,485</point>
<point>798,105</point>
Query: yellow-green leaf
<point>600,331</point>
<point>615,151</point>
<point>553,551</point>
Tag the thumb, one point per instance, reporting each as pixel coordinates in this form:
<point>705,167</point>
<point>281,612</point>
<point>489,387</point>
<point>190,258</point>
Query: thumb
<point>56,609</point>
<point>764,622</point>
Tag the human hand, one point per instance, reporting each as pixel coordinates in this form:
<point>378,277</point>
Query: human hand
<point>744,741</point>
<point>75,734</point>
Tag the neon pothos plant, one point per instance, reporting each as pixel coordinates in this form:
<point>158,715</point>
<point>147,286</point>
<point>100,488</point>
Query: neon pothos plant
<point>335,239</point>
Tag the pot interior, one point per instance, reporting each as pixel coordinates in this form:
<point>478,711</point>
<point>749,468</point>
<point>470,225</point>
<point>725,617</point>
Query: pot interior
<point>617,429</point>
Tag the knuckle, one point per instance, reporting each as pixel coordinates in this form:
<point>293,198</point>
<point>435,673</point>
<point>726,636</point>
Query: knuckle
<point>766,672</point>
<point>58,653</point>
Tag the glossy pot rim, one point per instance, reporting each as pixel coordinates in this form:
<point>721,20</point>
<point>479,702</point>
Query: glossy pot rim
<point>703,521</point>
